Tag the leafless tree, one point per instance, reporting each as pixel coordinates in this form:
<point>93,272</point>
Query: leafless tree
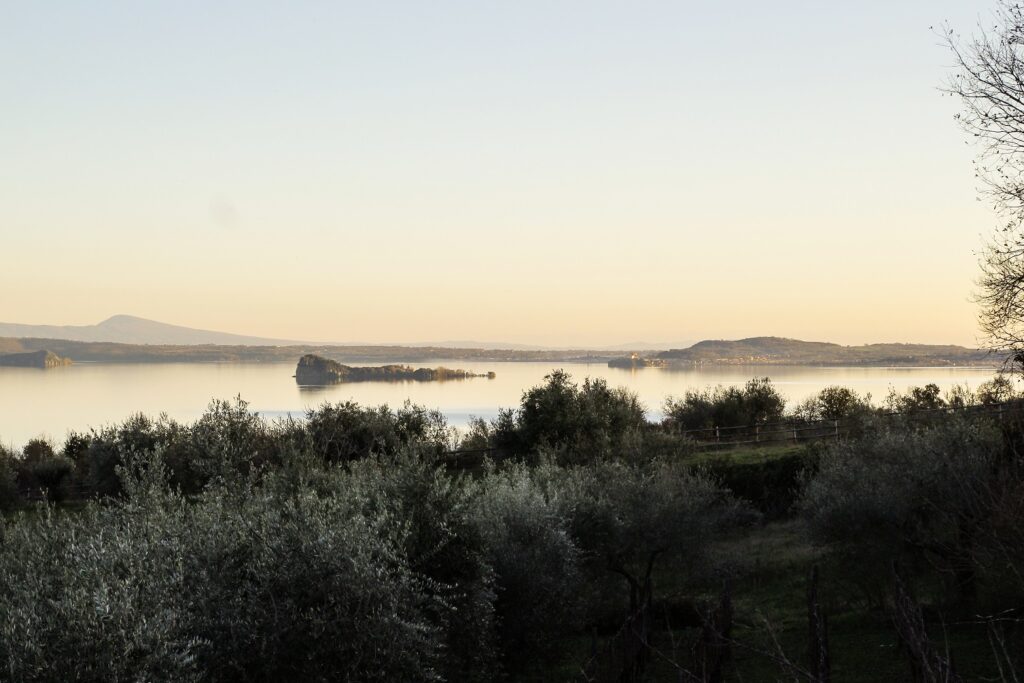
<point>989,82</point>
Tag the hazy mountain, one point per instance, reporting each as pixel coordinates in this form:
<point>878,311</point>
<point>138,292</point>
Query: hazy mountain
<point>127,329</point>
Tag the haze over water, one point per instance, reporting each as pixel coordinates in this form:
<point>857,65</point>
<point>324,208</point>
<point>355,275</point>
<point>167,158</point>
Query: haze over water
<point>49,403</point>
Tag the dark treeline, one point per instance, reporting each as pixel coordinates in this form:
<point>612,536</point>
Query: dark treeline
<point>352,545</point>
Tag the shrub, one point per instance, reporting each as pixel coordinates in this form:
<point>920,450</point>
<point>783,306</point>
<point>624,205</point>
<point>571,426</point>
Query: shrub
<point>579,422</point>
<point>626,519</point>
<point>536,565</point>
<point>10,498</point>
<point>834,403</point>
<point>999,389</point>
<point>344,432</point>
<point>917,399</point>
<point>99,463</point>
<point>906,494</point>
<point>49,476</point>
<point>236,585</point>
<point>758,402</point>
<point>227,441</point>
<point>443,546</point>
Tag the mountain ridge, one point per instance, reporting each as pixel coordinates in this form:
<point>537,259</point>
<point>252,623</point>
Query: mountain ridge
<point>130,329</point>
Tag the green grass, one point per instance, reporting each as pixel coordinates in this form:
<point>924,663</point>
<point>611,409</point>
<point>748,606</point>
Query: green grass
<point>747,455</point>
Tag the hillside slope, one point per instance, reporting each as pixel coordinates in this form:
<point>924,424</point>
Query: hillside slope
<point>779,350</point>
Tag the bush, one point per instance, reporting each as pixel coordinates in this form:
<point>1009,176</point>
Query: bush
<point>42,471</point>
<point>442,545</point>
<point>627,519</point>
<point>578,422</point>
<point>758,402</point>
<point>536,566</point>
<point>344,432</point>
<point>917,399</point>
<point>256,587</point>
<point>10,498</point>
<point>1000,389</point>
<point>906,494</point>
<point>834,403</point>
<point>107,448</point>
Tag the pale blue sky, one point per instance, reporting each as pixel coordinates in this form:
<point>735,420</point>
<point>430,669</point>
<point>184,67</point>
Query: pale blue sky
<point>556,172</point>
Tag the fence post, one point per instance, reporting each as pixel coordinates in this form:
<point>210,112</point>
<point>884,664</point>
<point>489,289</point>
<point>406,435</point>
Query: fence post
<point>836,424</point>
<point>757,432</point>
<point>718,437</point>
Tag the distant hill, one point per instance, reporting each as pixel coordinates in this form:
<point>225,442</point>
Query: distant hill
<point>781,351</point>
<point>127,329</point>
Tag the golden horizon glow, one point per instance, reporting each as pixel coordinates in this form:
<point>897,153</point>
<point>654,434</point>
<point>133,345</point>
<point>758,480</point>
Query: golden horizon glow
<point>580,175</point>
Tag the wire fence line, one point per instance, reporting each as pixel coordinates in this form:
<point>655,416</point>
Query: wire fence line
<point>790,431</point>
<point>795,430</point>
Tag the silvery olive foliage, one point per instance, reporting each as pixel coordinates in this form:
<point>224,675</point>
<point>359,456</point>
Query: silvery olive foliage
<point>9,497</point>
<point>236,585</point>
<point>536,563</point>
<point>442,545</point>
<point>627,519</point>
<point>906,493</point>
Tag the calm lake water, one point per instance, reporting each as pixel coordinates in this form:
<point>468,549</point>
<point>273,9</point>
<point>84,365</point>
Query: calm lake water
<point>51,402</point>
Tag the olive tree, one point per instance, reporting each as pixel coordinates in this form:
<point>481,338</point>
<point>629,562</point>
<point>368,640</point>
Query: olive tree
<point>917,495</point>
<point>536,564</point>
<point>246,585</point>
<point>627,518</point>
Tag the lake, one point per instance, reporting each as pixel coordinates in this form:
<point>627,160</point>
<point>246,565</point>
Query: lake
<point>51,402</point>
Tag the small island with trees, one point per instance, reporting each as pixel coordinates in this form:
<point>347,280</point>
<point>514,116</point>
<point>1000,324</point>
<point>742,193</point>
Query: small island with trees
<point>33,359</point>
<point>317,370</point>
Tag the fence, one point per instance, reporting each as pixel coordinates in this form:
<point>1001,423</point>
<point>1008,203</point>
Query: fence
<point>795,431</point>
<point>791,431</point>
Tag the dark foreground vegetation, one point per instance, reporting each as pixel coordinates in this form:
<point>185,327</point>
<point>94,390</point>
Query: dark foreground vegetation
<point>566,540</point>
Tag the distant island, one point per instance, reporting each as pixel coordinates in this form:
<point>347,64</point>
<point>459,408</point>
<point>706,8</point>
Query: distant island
<point>33,359</point>
<point>316,370</point>
<point>130,329</point>
<point>782,351</point>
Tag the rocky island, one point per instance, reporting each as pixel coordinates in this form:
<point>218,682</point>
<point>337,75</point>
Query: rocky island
<point>313,369</point>
<point>33,359</point>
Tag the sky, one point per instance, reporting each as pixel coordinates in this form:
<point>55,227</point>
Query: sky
<point>556,173</point>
